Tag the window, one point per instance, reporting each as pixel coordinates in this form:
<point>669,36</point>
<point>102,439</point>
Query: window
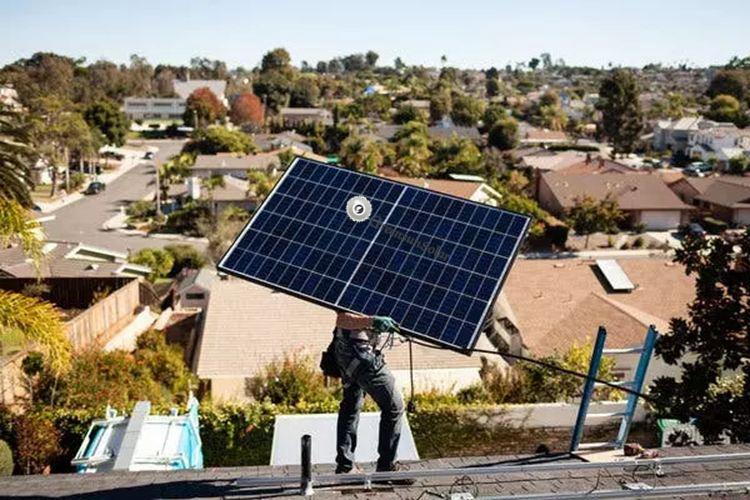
<point>195,296</point>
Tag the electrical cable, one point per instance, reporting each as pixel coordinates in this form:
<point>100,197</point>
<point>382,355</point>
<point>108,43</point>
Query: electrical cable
<point>546,365</point>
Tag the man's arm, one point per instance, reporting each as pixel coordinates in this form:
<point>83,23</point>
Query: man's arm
<point>352,321</point>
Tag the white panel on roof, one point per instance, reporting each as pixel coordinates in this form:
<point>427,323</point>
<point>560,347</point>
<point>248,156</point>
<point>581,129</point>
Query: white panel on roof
<point>289,429</point>
<point>614,275</point>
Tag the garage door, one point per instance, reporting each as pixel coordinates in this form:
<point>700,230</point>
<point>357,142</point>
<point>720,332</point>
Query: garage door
<point>659,220</point>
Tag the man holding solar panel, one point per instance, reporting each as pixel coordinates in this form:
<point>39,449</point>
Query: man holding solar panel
<point>363,370</point>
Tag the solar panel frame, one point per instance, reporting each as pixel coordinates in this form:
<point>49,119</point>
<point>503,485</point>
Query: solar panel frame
<point>290,291</point>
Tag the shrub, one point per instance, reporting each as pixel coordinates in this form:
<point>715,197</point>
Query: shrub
<point>77,179</point>
<point>638,242</point>
<point>165,363</point>
<point>141,210</point>
<point>6,459</point>
<point>639,228</point>
<point>37,442</point>
<point>556,233</point>
<point>185,257</point>
<point>160,261</point>
<point>292,380</point>
<point>188,219</point>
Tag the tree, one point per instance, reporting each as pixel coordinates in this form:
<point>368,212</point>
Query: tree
<point>731,82</point>
<point>203,108</point>
<point>407,113</point>
<point>247,109</point>
<point>456,156</point>
<point>398,63</point>
<point>223,230</point>
<point>492,87</point>
<point>371,58</point>
<point>160,261</point>
<point>273,88</point>
<point>16,157</point>
<point>534,63</point>
<point>725,108</point>
<point>185,256</point>
<point>504,134</point>
<point>413,150</point>
<point>467,110</point>
<point>305,92</point>
<point>622,121</point>
<point>589,216</point>
<point>215,140</point>
<point>440,103</point>
<point>57,132</point>
<point>739,165</point>
<point>361,154</point>
<point>107,118</point>
<point>260,184</point>
<point>711,345</point>
<point>276,60</point>
<point>493,114</point>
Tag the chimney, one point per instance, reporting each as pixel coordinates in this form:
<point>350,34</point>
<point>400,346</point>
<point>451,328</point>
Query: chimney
<point>194,188</point>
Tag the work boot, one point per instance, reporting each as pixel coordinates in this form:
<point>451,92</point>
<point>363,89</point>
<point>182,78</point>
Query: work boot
<point>354,470</point>
<point>397,467</point>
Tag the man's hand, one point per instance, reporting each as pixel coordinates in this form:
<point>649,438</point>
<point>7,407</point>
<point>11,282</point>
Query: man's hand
<point>383,324</point>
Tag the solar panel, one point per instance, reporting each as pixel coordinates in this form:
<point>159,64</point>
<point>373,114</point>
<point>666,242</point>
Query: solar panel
<point>356,242</point>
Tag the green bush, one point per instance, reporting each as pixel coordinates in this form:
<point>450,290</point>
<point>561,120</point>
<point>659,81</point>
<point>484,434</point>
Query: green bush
<point>141,210</point>
<point>77,179</point>
<point>638,242</point>
<point>188,219</point>
<point>6,459</point>
<point>556,233</point>
<point>185,257</point>
<point>291,381</point>
<point>37,442</point>
<point>160,261</point>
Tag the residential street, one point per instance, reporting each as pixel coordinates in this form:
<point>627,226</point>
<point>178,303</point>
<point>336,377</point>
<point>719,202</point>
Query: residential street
<point>82,220</point>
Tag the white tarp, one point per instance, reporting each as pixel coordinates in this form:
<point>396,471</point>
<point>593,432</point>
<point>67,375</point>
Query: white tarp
<point>289,429</point>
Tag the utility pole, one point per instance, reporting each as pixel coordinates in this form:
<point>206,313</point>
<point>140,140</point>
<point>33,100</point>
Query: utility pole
<point>158,190</point>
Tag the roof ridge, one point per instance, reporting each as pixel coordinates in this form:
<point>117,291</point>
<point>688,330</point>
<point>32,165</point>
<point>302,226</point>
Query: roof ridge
<point>637,314</point>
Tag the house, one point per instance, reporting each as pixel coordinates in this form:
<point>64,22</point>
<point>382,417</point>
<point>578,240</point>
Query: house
<point>248,326</point>
<point>282,140</point>
<point>470,190</point>
<point>193,289</point>
<point>231,192</point>
<point>644,199</point>
<point>674,134</point>
<point>142,442</point>
<point>719,144</point>
<point>64,259</point>
<point>445,129</point>
<point>171,108</point>
<point>573,163</point>
<point>154,108</point>
<point>727,197</point>
<point>528,135</point>
<point>560,303</point>
<point>236,166</point>
<point>292,117</point>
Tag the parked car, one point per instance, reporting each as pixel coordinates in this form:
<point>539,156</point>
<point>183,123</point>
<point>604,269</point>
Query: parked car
<point>95,187</point>
<point>698,169</point>
<point>694,229</point>
<point>149,155</point>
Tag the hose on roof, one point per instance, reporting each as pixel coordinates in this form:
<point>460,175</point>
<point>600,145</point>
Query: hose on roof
<point>550,366</point>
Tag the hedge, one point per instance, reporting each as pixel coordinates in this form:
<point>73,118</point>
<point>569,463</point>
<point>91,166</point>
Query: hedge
<point>241,434</point>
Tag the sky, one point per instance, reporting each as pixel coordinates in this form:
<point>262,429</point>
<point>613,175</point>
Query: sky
<point>470,33</point>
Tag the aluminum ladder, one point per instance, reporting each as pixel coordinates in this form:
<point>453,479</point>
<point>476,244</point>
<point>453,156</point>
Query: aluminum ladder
<point>646,350</point>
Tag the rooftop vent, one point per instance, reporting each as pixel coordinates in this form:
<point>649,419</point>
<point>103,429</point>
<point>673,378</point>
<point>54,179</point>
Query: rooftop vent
<point>615,276</point>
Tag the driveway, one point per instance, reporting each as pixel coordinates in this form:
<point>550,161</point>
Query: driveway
<point>82,220</point>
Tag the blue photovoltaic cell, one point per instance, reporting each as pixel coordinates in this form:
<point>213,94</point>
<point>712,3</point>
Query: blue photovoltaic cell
<point>432,262</point>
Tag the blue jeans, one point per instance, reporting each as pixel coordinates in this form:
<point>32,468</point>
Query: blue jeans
<point>364,371</point>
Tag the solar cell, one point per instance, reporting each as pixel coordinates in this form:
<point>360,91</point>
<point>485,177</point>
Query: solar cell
<point>357,242</point>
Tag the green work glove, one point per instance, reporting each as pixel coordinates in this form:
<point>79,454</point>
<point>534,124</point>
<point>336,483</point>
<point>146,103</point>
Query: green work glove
<point>384,324</point>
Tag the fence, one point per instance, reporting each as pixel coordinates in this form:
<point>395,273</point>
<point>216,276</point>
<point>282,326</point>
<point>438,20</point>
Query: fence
<point>96,325</point>
<point>100,322</point>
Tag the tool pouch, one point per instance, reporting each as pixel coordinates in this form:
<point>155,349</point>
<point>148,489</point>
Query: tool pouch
<point>328,363</point>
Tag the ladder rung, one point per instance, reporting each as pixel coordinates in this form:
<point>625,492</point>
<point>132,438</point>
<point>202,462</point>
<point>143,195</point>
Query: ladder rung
<point>606,415</point>
<point>627,350</point>
<point>589,446</point>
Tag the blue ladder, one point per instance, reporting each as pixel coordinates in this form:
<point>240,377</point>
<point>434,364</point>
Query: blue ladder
<point>636,385</point>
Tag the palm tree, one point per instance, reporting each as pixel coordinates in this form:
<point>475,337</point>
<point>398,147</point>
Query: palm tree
<point>24,321</point>
<point>16,157</point>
